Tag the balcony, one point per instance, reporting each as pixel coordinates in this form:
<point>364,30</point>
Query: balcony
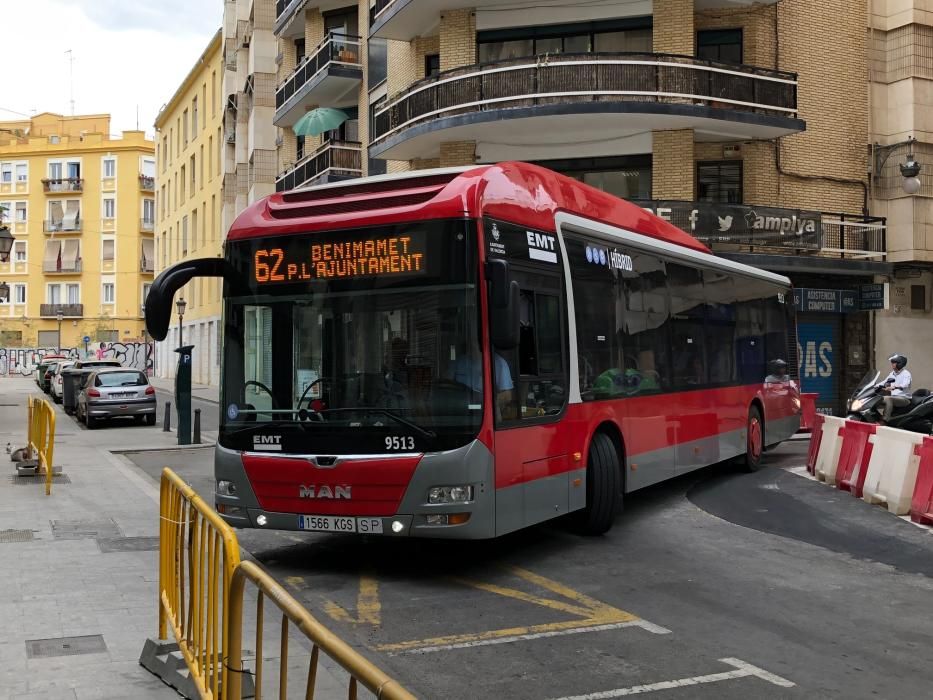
<point>329,77</point>
<point>62,225</point>
<point>147,225</point>
<point>63,267</point>
<point>146,183</point>
<point>63,184</point>
<point>332,162</point>
<point>67,310</point>
<point>615,99</point>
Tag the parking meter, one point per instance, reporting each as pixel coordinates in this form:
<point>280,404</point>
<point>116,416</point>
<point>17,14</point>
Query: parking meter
<point>183,394</point>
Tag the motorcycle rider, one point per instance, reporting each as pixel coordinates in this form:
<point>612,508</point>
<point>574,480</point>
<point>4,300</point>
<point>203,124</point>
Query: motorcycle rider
<point>896,385</point>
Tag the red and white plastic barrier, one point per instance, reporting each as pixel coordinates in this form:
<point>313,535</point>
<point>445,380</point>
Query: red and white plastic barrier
<point>854,457</point>
<point>827,457</point>
<point>892,469</point>
<point>816,437</point>
<point>921,505</point>
<point>808,413</point>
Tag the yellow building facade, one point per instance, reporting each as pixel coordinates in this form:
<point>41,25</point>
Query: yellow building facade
<point>80,204</point>
<point>189,178</point>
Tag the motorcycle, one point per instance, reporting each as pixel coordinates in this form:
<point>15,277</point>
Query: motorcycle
<point>866,405</point>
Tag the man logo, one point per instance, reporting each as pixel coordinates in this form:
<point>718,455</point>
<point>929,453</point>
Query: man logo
<point>312,491</point>
<point>725,223</point>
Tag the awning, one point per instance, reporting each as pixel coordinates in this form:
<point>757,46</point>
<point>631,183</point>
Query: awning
<point>72,209</point>
<point>53,251</point>
<point>70,253</point>
<point>149,250</point>
<point>56,214</point>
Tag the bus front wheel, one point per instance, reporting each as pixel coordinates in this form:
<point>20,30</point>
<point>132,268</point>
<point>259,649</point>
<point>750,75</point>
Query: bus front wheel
<point>603,487</point>
<point>754,441</point>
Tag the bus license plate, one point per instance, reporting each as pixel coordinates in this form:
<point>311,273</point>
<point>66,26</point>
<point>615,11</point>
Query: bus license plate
<point>332,523</point>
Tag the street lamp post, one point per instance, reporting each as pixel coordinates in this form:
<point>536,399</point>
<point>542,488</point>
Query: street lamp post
<point>181,304</point>
<point>6,245</point>
<point>59,316</point>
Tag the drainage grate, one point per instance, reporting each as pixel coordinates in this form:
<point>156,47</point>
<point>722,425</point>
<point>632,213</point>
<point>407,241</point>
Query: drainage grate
<point>65,646</point>
<point>40,479</point>
<point>16,536</point>
<point>85,529</point>
<point>128,544</point>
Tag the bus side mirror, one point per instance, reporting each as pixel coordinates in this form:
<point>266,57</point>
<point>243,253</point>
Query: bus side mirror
<point>504,321</point>
<point>158,304</point>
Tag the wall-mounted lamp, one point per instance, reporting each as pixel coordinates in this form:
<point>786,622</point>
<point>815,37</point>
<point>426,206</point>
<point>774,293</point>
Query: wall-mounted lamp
<point>910,169</point>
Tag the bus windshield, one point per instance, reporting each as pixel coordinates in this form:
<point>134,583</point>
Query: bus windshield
<point>354,342</point>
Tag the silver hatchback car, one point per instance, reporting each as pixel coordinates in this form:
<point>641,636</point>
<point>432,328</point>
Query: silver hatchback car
<point>114,392</point>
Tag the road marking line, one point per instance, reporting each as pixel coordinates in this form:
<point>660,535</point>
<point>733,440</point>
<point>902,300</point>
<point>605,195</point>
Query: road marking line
<point>743,669</point>
<point>368,607</point>
<point>527,597</point>
<point>525,637</point>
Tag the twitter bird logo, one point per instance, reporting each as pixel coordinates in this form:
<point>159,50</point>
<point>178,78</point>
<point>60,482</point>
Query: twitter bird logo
<point>725,223</point>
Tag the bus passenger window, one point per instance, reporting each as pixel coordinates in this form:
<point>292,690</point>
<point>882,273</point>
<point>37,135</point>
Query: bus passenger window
<point>688,334</point>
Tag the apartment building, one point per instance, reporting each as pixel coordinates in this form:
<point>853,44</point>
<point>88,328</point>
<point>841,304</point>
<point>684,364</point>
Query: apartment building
<point>190,148</point>
<point>80,204</point>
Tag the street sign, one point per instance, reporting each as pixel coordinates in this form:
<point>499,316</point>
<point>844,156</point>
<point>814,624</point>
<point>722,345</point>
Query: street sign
<point>86,339</point>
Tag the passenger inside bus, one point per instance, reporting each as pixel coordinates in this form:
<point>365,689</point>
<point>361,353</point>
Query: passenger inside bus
<point>467,370</point>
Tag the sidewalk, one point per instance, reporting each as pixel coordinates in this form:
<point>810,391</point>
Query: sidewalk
<point>81,564</point>
<point>198,391</point>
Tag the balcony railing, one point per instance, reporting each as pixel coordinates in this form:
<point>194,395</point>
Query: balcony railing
<point>63,184</point>
<point>67,310</point>
<point>336,48</point>
<point>147,183</point>
<point>338,158</point>
<point>61,226</point>
<point>590,78</point>
<point>53,266</point>
<point>147,225</point>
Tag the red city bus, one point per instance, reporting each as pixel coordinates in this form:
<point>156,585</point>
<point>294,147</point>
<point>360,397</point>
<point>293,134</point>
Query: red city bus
<point>461,353</point>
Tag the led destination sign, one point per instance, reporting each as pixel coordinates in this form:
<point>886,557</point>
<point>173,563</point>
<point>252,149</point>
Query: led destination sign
<point>306,261</point>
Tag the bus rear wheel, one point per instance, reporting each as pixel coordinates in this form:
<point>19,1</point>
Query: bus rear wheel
<point>603,487</point>
<point>754,441</point>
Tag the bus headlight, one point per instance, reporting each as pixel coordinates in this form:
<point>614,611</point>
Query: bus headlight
<point>450,494</point>
<point>226,488</point>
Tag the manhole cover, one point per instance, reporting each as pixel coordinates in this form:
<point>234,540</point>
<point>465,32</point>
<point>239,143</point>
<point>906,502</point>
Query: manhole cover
<point>65,646</point>
<point>56,479</point>
<point>85,529</point>
<point>128,544</point>
<point>16,536</point>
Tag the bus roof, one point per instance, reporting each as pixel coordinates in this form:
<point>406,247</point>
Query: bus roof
<point>520,193</point>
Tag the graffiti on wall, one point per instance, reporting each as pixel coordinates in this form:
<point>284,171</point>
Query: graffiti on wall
<point>23,361</point>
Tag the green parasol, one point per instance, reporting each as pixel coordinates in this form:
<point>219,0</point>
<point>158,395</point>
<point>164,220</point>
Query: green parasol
<point>319,120</point>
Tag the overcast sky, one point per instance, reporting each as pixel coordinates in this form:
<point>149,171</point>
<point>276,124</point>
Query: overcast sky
<point>126,55</point>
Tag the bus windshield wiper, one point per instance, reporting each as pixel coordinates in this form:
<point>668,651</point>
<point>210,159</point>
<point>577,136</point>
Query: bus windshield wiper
<point>423,432</point>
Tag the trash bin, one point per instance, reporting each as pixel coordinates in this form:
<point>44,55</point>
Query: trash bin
<point>71,381</point>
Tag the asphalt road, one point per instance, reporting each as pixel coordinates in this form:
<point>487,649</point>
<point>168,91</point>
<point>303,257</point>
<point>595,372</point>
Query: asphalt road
<point>715,585</point>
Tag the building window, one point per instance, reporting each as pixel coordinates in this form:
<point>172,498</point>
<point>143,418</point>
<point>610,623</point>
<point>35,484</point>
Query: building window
<point>184,235</point>
<point>22,172</point>
<point>73,293</point>
<point>108,293</point>
<point>54,294</point>
<point>720,181</point>
<point>146,287</point>
<point>6,172</point>
<point>149,211</point>
<point>109,208</point>
<point>184,127</point>
<point>110,167</point>
<point>19,251</point>
<point>194,115</point>
<point>432,64</point>
<point>628,177</point>
<point>614,36</point>
<point>108,250</point>
<point>193,170</point>
<point>19,293</point>
<point>720,45</point>
<point>21,211</point>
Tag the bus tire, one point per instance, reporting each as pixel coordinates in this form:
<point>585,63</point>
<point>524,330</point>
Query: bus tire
<point>754,441</point>
<point>603,487</point>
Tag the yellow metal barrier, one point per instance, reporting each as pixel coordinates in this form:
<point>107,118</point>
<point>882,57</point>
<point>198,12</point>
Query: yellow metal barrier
<point>359,668</point>
<point>41,438</point>
<point>198,554</point>
<point>201,590</point>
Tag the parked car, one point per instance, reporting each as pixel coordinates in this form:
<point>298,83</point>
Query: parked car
<point>43,365</point>
<point>46,384</point>
<point>93,362</point>
<point>55,386</point>
<point>113,392</point>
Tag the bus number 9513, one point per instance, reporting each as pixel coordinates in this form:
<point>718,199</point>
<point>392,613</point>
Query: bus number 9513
<point>400,443</point>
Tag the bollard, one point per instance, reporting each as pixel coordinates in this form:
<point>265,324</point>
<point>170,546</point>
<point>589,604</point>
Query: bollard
<point>197,426</point>
<point>167,423</point>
